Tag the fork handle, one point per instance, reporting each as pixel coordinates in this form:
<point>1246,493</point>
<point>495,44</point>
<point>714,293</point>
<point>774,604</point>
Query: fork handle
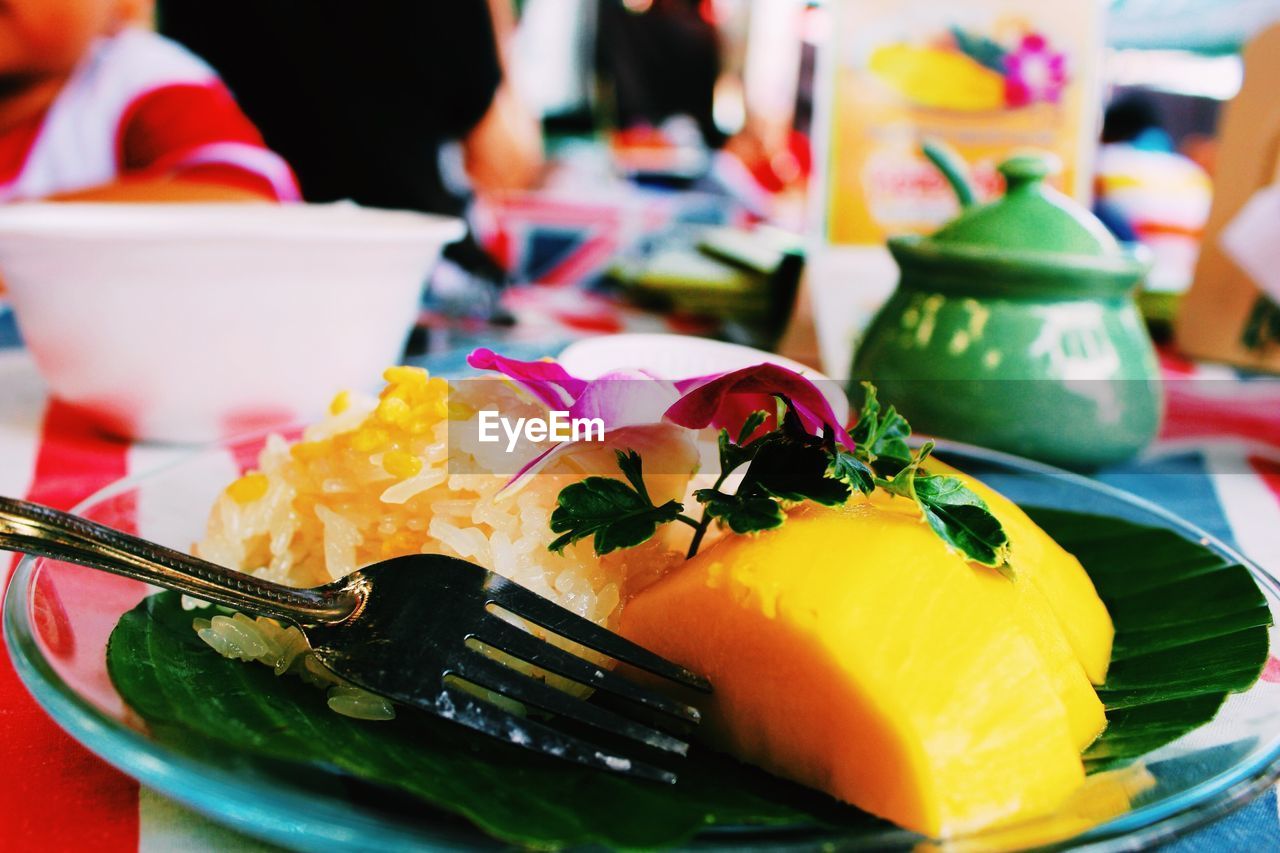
<point>35,529</point>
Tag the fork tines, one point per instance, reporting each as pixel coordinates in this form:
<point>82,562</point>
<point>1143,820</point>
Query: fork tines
<point>485,671</point>
<point>461,707</point>
<point>509,595</point>
<point>521,644</point>
<point>493,675</point>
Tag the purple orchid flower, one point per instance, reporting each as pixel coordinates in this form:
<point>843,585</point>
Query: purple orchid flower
<point>546,380</point>
<point>725,400</point>
<point>621,399</point>
<point>633,399</point>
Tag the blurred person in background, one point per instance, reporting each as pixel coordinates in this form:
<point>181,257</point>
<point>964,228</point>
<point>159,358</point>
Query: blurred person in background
<point>661,59</point>
<point>730,68</point>
<point>361,97</point>
<point>93,106</point>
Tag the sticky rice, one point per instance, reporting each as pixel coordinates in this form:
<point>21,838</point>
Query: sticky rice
<point>385,477</point>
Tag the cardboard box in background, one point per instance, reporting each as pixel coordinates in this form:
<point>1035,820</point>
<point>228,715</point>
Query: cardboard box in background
<point>1226,315</point>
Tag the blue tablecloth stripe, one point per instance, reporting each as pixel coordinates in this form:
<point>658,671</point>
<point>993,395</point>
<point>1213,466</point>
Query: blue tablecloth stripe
<point>1254,828</point>
<point>9,335</point>
<point>1179,482</point>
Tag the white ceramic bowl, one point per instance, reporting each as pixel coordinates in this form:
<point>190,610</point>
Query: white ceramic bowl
<point>191,323</point>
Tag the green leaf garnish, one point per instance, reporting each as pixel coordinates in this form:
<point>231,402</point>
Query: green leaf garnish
<point>961,518</point>
<point>750,425</point>
<point>880,434</point>
<point>742,513</point>
<point>788,465</point>
<point>793,471</point>
<point>616,514</point>
<point>735,453</point>
<point>848,468</point>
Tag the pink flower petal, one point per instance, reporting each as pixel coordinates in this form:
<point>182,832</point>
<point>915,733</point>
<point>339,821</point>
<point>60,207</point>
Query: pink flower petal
<point>719,400</point>
<point>546,380</point>
<point>622,399</point>
<point>647,438</point>
<point>735,410</point>
<point>533,466</point>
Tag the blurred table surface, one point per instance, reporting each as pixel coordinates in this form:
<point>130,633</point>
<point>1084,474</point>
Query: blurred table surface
<point>1217,463</point>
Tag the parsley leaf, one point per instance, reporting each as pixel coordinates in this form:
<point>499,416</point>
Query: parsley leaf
<point>786,465</point>
<point>616,514</point>
<point>961,518</point>
<point>735,453</point>
<point>848,468</point>
<point>751,424</point>
<point>632,468</point>
<point>732,455</point>
<point>748,513</point>
<point>891,437</point>
<point>880,434</point>
<point>792,470</point>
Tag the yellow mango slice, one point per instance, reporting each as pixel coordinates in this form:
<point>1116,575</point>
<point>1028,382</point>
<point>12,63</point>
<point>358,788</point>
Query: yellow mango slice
<point>1057,574</point>
<point>936,77</point>
<point>1086,715</point>
<point>852,652</point>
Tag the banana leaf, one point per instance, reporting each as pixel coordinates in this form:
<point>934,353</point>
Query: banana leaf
<point>1191,629</point>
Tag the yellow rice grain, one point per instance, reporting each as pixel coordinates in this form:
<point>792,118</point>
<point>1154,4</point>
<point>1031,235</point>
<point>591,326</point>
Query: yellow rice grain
<point>248,488</point>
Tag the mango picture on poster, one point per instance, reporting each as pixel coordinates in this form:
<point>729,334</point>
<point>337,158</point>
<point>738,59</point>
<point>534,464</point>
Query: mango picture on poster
<point>972,73</point>
<point>987,80</point>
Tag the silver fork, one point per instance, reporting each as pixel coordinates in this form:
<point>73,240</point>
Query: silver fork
<point>409,628</point>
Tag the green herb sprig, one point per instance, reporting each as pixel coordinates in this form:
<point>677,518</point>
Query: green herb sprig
<point>617,514</point>
<point>785,466</point>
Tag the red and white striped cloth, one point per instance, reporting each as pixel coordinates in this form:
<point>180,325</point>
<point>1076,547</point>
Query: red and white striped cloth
<point>56,796</point>
<point>139,105</point>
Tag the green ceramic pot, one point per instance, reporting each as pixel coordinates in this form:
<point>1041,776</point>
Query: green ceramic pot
<point>1014,327</point>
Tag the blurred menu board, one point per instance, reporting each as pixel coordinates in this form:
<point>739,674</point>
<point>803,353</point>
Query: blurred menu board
<point>986,76</point>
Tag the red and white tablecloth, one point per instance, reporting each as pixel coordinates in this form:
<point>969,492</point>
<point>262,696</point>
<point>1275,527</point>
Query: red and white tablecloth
<point>1218,461</point>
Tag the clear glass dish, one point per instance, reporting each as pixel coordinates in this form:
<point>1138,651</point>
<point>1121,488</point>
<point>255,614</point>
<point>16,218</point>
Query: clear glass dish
<point>57,618</point>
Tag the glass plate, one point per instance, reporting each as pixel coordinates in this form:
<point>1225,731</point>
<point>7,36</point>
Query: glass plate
<point>57,618</point>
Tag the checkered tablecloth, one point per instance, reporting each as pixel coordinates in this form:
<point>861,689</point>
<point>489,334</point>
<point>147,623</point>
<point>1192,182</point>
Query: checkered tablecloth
<point>1217,463</point>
